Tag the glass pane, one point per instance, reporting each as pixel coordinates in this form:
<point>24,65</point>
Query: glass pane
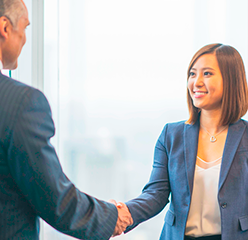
<point>115,74</point>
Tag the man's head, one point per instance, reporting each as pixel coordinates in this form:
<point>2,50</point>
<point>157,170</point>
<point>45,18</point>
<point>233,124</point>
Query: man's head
<point>13,23</point>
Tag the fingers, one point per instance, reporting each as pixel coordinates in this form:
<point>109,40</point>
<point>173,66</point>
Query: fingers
<point>117,232</point>
<point>112,201</point>
<point>124,206</point>
<point>120,205</point>
<point>124,217</point>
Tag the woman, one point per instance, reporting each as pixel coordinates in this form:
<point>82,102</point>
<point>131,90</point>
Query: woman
<point>203,162</point>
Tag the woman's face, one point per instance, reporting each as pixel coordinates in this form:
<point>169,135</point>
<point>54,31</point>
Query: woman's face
<point>205,83</point>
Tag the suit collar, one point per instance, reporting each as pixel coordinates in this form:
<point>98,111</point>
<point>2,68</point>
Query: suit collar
<point>234,136</point>
<point>191,132</point>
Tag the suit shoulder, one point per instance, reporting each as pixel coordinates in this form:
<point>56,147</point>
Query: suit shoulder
<point>175,126</point>
<point>12,86</point>
<point>245,122</point>
<point>15,90</point>
<point>172,134</point>
<point>16,97</point>
<point>173,129</point>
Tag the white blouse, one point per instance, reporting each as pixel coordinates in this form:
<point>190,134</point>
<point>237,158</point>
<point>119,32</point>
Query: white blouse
<point>204,214</point>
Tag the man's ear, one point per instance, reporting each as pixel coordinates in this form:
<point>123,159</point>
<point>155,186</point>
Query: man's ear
<point>4,27</point>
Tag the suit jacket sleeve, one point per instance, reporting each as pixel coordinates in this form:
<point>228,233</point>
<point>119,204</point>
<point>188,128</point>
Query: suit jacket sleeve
<point>155,194</point>
<point>36,170</point>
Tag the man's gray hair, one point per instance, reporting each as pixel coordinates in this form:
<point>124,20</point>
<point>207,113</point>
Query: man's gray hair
<point>12,9</point>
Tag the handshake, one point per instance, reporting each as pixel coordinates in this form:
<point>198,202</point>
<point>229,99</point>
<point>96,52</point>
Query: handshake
<point>124,218</point>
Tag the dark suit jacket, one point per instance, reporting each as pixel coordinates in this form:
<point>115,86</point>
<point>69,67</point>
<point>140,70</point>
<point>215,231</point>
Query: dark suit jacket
<point>173,173</point>
<point>32,182</point>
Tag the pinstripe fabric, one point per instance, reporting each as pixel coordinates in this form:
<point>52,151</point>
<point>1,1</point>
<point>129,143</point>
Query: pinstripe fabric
<point>32,182</point>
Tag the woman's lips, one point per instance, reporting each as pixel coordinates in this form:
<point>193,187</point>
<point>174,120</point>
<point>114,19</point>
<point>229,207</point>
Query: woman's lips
<point>199,94</point>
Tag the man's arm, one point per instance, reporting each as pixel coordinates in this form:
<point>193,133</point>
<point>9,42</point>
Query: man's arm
<point>35,167</point>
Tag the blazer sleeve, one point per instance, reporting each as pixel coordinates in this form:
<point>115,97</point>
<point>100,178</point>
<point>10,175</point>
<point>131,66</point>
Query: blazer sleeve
<point>155,194</point>
<point>35,167</point>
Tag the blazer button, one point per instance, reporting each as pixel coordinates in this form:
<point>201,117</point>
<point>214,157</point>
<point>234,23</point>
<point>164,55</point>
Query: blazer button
<point>224,205</point>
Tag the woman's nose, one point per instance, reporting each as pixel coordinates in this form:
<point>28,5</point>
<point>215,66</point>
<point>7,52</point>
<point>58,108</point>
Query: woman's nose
<point>198,81</point>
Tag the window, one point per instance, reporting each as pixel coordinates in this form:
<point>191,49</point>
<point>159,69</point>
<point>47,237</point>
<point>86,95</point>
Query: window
<point>115,73</point>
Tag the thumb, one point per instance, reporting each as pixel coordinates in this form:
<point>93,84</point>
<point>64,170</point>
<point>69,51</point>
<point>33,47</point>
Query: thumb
<point>121,205</point>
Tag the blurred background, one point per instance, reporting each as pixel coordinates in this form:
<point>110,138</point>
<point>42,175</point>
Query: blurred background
<point>114,73</point>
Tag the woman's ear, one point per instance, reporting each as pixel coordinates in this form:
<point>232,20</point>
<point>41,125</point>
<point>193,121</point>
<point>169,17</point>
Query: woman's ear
<point>4,27</point>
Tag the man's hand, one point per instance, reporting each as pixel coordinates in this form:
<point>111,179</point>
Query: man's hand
<point>124,218</point>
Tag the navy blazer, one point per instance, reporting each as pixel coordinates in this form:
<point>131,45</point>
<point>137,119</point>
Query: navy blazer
<point>173,173</point>
<point>32,182</point>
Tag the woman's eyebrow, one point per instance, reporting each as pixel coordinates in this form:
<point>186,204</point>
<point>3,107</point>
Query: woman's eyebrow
<point>206,68</point>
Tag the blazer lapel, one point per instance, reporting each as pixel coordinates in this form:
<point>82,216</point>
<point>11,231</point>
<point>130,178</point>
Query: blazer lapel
<point>234,136</point>
<point>191,133</point>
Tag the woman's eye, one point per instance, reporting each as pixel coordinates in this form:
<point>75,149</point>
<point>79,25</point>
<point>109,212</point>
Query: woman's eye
<point>207,73</point>
<point>191,74</point>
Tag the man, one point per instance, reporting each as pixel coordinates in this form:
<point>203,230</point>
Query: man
<point>32,182</point>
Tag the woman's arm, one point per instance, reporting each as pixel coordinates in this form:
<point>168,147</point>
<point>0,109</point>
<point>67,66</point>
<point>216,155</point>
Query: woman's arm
<point>155,194</point>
